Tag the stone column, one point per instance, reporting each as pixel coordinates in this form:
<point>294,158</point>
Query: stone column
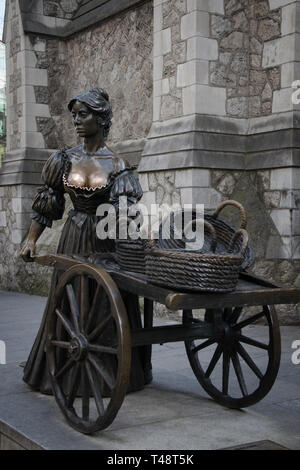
<point>26,152</point>
<point>182,51</point>
<point>224,125</point>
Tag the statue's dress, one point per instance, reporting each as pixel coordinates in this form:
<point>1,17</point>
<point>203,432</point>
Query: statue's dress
<point>79,237</point>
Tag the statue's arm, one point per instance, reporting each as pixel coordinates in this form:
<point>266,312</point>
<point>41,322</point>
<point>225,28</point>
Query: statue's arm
<point>35,231</point>
<point>48,203</point>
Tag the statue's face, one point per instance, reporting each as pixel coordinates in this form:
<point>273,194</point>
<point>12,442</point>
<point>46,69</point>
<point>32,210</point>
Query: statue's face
<point>85,121</point>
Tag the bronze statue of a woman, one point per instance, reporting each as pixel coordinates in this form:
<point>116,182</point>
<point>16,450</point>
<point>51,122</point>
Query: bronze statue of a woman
<point>91,174</point>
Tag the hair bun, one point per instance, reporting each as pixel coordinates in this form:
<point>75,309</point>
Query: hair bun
<point>99,92</point>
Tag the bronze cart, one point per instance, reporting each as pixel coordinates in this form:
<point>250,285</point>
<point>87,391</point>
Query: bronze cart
<point>79,347</point>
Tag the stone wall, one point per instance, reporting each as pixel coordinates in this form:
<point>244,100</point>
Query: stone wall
<point>43,74</point>
<point>241,34</point>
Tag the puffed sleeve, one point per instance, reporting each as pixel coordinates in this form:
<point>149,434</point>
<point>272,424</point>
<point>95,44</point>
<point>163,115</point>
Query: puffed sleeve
<point>126,184</point>
<point>49,201</point>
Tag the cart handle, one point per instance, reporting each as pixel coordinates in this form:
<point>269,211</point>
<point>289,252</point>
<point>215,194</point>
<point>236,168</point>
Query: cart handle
<point>236,204</point>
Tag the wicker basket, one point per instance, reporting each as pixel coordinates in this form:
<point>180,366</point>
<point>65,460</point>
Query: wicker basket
<point>196,271</point>
<point>224,233</point>
<point>130,255</point>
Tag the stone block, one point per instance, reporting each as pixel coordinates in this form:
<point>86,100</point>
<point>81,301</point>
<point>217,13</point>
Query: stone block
<point>166,41</point>
<point>281,178</point>
<point>157,67</point>
<point>282,100</point>
<point>148,199</point>
<point>282,221</point>
<point>32,140</point>
<point>202,48</point>
<point>204,99</point>
<point>3,221</point>
<point>220,26</point>
<point>207,196</point>
<point>158,2</point>
<point>157,18</point>
<point>156,108</point>
<point>295,222</point>
<point>17,236</point>
<point>157,88</point>
<point>212,6</point>
<point>296,178</point>
<point>287,74</point>
<point>26,58</point>
<point>21,205</point>
<point>278,3</point>
<point>279,248</point>
<point>25,94</point>
<point>33,76</point>
<point>278,51</point>
<point>296,250</point>
<point>288,21</point>
<point>192,72</point>
<point>237,106</point>
<point>194,177</point>
<point>143,179</point>
<point>195,23</point>
<point>27,124</point>
<point>162,42</point>
<point>165,86</point>
<point>36,109</point>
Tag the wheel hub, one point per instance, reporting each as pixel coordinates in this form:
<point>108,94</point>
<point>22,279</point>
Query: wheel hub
<point>230,336</point>
<point>78,348</point>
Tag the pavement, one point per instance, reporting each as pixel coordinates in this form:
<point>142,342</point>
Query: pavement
<point>173,412</point>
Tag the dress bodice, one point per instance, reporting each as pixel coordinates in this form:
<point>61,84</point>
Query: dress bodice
<point>105,177</point>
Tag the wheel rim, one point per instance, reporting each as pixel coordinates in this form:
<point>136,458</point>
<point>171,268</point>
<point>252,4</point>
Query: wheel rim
<point>234,367</point>
<point>88,348</point>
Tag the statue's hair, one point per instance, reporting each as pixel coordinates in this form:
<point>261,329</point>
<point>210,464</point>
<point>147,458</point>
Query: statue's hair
<point>97,100</point>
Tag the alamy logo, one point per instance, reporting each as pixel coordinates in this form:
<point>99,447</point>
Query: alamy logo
<point>2,353</point>
<point>296,354</point>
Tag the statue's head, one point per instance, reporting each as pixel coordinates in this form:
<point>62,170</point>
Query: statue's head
<point>97,102</point>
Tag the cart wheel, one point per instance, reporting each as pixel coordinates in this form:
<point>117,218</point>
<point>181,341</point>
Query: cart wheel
<point>235,367</point>
<point>88,348</point>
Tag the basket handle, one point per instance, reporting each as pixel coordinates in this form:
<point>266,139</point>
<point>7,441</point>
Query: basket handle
<point>244,234</point>
<point>209,227</point>
<point>236,204</point>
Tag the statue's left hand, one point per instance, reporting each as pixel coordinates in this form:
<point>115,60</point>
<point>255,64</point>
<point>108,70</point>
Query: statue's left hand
<point>28,252</point>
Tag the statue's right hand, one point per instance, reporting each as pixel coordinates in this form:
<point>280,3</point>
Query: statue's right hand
<point>28,251</point>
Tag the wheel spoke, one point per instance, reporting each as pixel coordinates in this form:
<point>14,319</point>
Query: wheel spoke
<point>73,386</point>
<point>253,342</point>
<point>243,353</point>
<point>65,322</point>
<point>100,369</point>
<point>225,376</point>
<point>74,306</point>
<point>85,393</point>
<point>248,321</point>
<point>95,390</point>
<point>84,299</point>
<point>103,349</point>
<point>239,373</point>
<point>233,318</point>
<point>203,345</point>
<point>214,360</point>
<point>99,328</point>
<point>60,344</point>
<point>67,366</point>
<point>94,307</point>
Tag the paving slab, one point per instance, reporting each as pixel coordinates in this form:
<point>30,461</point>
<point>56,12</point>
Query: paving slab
<point>173,412</point>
